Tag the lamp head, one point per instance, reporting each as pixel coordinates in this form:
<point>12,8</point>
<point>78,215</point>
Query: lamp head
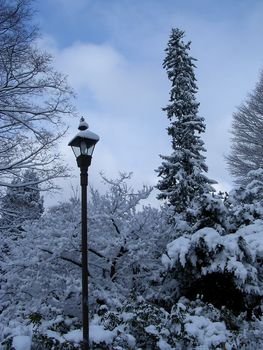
<point>83,144</point>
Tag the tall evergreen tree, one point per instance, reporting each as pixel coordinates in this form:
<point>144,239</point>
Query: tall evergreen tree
<point>183,172</point>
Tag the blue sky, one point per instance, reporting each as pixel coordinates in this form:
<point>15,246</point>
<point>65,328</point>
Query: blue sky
<point>112,52</point>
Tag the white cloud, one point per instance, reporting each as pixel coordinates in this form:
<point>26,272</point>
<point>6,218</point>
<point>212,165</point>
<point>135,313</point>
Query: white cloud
<point>113,81</point>
<point>90,65</point>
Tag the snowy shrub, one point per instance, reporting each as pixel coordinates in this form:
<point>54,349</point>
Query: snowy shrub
<point>199,325</point>
<point>220,268</point>
<point>196,324</point>
<point>42,263</point>
<point>208,210</point>
<point>189,325</point>
<point>137,325</point>
<point>59,333</point>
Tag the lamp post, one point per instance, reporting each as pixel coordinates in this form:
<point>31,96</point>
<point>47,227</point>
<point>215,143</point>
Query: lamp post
<point>83,145</point>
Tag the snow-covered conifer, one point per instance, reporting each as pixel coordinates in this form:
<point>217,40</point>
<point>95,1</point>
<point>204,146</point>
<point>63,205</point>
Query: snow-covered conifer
<point>22,201</point>
<point>183,172</point>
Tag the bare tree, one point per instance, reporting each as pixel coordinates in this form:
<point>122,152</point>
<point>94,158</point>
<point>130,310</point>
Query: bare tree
<point>247,141</point>
<point>34,99</point>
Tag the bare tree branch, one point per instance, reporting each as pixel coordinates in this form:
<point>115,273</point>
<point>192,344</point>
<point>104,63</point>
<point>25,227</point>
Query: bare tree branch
<point>34,100</point>
<point>247,141</point>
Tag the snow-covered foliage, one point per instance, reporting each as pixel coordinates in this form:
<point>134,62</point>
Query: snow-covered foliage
<point>22,201</point>
<point>183,172</point>
<point>137,237</point>
<point>124,256</point>
<point>42,263</point>
<point>188,325</point>
<point>200,261</point>
<point>246,201</point>
<point>208,210</point>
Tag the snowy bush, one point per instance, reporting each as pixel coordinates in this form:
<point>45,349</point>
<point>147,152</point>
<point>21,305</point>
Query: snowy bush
<point>189,325</point>
<point>223,269</point>
<point>208,210</point>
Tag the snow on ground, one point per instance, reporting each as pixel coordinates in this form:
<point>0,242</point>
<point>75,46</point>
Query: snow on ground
<point>98,334</point>
<point>207,333</point>
<point>163,345</point>
<point>74,336</point>
<point>21,342</point>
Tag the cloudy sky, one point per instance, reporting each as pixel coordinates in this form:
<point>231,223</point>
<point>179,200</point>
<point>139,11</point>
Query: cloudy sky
<point>112,52</point>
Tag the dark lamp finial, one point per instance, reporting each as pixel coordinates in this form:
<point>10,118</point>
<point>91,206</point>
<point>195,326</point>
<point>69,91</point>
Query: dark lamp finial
<point>83,125</point>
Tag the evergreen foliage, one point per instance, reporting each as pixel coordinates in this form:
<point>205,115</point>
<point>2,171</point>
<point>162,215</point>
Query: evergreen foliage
<point>205,260</point>
<point>183,172</point>
<point>22,201</point>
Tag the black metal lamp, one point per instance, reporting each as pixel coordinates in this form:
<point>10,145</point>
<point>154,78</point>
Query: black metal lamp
<point>83,145</point>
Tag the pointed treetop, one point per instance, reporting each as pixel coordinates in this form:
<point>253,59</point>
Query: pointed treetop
<point>82,124</point>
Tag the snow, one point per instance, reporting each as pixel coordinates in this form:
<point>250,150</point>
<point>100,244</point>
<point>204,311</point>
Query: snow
<point>235,253</point>
<point>83,125</point>
<point>131,340</point>
<point>253,236</point>
<point>177,250</point>
<point>54,335</point>
<point>151,329</point>
<point>85,134</point>
<point>206,332</point>
<point>75,336</point>
<point>126,316</point>
<point>21,342</point>
<point>163,345</point>
<point>238,268</point>
<point>98,334</point>
<point>210,235</point>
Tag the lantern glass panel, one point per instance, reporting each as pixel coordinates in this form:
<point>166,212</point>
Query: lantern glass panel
<point>90,150</point>
<point>76,151</point>
<point>83,148</point>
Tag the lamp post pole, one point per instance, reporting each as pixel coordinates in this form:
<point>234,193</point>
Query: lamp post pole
<point>84,248</point>
<point>83,146</point>
<point>83,162</point>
